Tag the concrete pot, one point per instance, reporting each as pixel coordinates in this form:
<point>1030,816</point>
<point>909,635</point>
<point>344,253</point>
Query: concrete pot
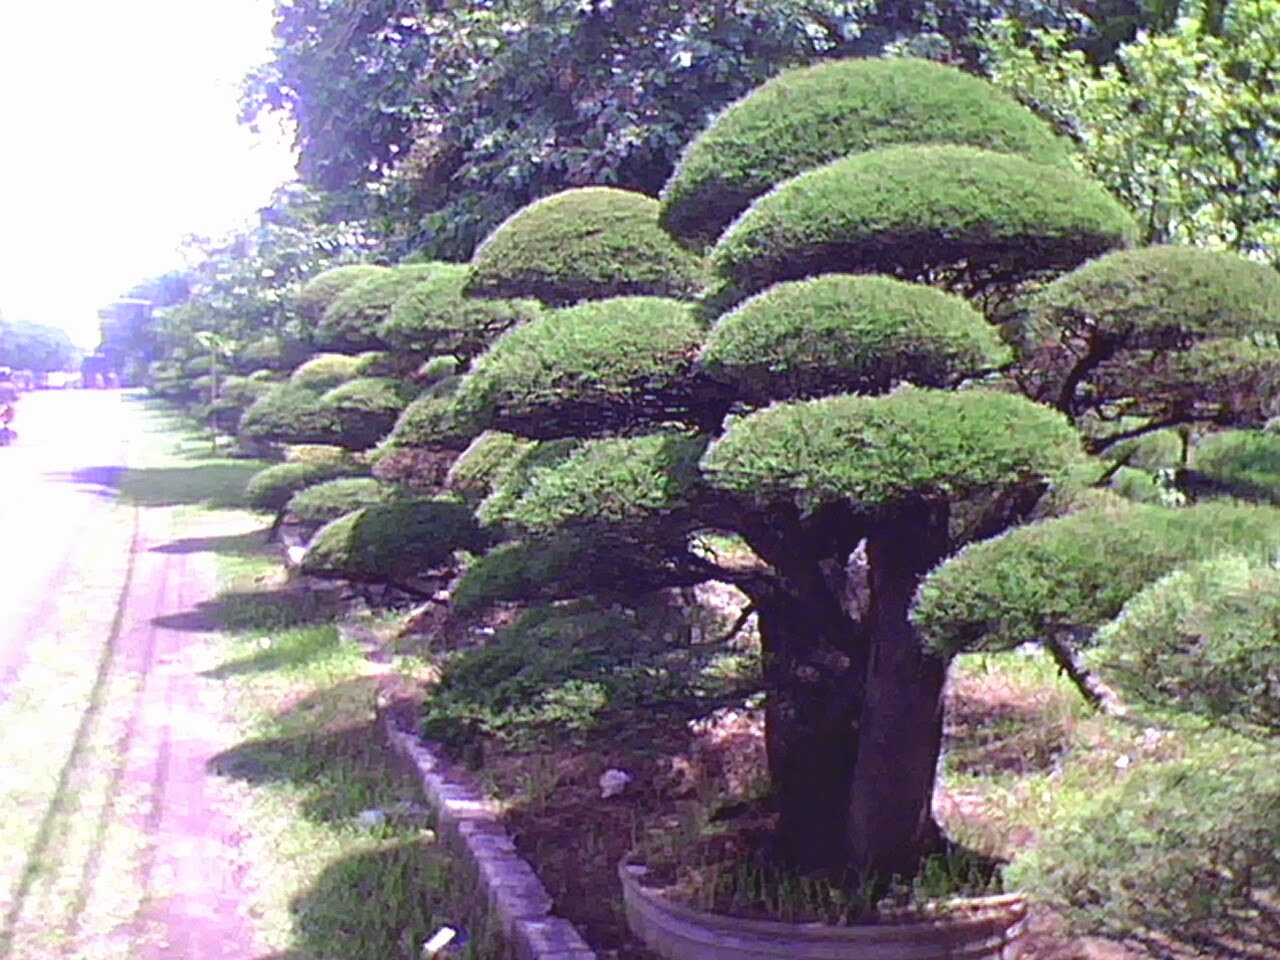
<point>981,928</point>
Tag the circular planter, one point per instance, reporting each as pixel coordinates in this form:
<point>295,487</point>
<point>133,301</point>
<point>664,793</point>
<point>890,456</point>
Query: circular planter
<point>981,928</point>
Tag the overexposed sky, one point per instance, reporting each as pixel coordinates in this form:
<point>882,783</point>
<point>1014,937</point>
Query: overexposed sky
<point>118,136</point>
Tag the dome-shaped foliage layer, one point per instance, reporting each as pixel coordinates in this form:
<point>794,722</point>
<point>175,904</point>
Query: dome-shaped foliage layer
<point>1161,297</point>
<point>485,463</point>
<point>287,413</point>
<point>272,487</point>
<point>321,290</point>
<point>363,410</point>
<point>325,371</point>
<point>912,211</point>
<point>433,316</point>
<point>352,321</point>
<point>811,116</point>
<point>393,542</point>
<point>1074,573</point>
<point>1205,639</point>
<point>590,369</point>
<point>848,334</point>
<point>914,444</point>
<point>589,243</point>
<point>331,499</point>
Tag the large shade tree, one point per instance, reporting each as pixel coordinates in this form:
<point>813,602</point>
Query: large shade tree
<point>836,405</point>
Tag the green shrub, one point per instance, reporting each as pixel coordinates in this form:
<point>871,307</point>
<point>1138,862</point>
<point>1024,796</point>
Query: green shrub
<point>321,290</point>
<point>642,481</point>
<point>394,543</point>
<point>287,413</point>
<point>811,116</point>
<point>267,352</point>
<point>560,672</point>
<point>235,396</point>
<point>1152,451</point>
<point>325,371</point>
<point>272,488</point>
<point>1073,574</point>
<point>584,244</point>
<point>1205,640</point>
<point>913,444</point>
<point>385,363</point>
<point>1159,297</point>
<point>364,410</point>
<point>330,499</point>
<point>433,316</point>
<point>435,369</point>
<point>845,334</point>
<point>582,368</point>
<point>484,464</point>
<point>433,421</point>
<point>1243,462</point>
<point>354,317</point>
<point>1185,849</point>
<point>907,211</point>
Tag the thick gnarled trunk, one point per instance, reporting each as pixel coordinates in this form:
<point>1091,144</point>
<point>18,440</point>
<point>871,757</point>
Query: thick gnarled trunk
<point>890,824</point>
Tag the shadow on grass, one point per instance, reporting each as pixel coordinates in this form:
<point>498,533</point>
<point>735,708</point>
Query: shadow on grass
<point>235,545</point>
<point>283,653</point>
<point>218,484</point>
<point>385,903</point>
<point>255,610</point>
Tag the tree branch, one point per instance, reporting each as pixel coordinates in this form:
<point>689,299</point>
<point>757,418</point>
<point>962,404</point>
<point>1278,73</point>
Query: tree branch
<point>1096,693</point>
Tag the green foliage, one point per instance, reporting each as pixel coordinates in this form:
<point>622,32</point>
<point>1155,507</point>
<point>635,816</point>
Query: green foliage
<point>355,316</point>
<point>363,410</point>
<point>1069,576</point>
<point>809,117</point>
<point>566,565</point>
<point>433,316</point>
<point>1205,640</point>
<point>640,481</point>
<point>484,464</point>
<point>561,671</point>
<point>1245,462</point>
<point>1162,297</point>
<point>591,243</point>
<point>846,334</point>
<point>1187,849</point>
<point>235,396</point>
<point>1151,451</point>
<point>909,211</point>
<point>434,420</point>
<point>317,294</point>
<point>583,369</point>
<point>272,488</point>
<point>330,499</point>
<point>394,543</point>
<point>435,369</point>
<point>384,363</point>
<point>287,413</point>
<point>1180,128</point>
<point>325,371</point>
<point>915,444</point>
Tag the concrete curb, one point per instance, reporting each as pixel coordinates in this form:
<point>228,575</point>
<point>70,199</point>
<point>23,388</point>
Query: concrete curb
<point>469,824</point>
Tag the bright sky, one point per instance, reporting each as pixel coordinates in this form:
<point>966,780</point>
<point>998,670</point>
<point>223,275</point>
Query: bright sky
<point>118,136</point>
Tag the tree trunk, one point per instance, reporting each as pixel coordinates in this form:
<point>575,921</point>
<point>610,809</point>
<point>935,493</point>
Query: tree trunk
<point>813,699</point>
<point>890,825</point>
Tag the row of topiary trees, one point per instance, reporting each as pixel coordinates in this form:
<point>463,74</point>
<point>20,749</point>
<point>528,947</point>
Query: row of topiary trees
<point>877,329</point>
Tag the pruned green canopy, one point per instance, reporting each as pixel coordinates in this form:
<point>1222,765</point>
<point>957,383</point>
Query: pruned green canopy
<point>433,315</point>
<point>1074,573</point>
<point>811,116</point>
<point>321,290</point>
<point>912,211</point>
<point>915,444</point>
<point>352,321</point>
<point>848,334</point>
<point>591,369</point>
<point>584,244</point>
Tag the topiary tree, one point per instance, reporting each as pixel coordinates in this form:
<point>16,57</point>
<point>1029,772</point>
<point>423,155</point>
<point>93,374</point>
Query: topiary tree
<point>806,118</point>
<point>397,544</point>
<point>351,322</point>
<point>315,296</point>
<point>826,416</point>
<point>583,244</point>
<point>271,488</point>
<point>328,500</point>
<point>361,411</point>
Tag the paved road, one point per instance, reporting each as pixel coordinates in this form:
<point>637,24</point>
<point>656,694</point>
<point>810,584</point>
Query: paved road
<point>116,590</point>
<point>55,482</point>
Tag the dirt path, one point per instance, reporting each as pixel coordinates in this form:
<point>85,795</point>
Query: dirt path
<point>193,872</point>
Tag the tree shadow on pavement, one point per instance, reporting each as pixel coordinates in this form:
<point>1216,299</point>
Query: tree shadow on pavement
<point>100,481</point>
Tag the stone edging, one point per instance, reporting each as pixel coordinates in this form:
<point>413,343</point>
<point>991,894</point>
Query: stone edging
<point>469,824</point>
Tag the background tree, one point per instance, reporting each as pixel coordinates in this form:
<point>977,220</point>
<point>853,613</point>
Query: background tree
<point>35,346</point>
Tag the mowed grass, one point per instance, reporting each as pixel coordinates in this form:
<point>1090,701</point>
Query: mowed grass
<point>311,771</point>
